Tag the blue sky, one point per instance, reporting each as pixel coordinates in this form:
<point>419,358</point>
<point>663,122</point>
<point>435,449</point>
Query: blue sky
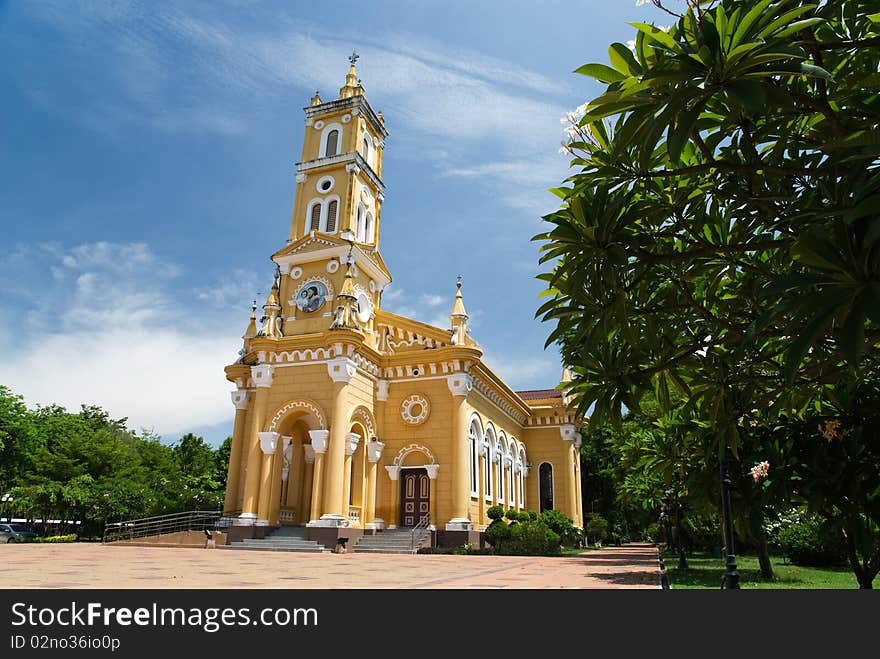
<point>147,173</point>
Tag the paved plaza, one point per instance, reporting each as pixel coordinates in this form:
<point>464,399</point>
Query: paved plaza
<point>86,565</point>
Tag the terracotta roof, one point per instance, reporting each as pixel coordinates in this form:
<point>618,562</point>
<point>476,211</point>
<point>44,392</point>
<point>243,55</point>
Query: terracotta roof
<point>539,394</point>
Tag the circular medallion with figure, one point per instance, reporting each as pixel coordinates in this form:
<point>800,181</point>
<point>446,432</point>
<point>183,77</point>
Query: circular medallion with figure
<point>415,409</point>
<point>311,296</point>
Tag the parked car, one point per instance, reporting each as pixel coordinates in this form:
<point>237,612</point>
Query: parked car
<point>12,532</point>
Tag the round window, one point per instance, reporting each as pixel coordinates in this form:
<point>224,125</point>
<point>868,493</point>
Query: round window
<point>325,184</point>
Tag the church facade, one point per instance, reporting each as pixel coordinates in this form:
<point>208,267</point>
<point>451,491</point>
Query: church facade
<point>350,419</point>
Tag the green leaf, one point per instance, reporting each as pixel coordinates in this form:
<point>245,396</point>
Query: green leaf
<point>748,21</point>
<point>852,336</point>
<point>600,72</point>
<point>802,343</point>
<point>681,133</point>
<point>748,94</point>
<point>657,35</point>
<point>623,60</point>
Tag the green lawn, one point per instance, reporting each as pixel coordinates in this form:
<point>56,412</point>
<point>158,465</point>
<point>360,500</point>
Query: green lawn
<point>705,572</point>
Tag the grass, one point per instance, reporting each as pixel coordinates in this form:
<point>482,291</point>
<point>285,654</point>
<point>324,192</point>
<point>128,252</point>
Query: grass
<point>704,571</point>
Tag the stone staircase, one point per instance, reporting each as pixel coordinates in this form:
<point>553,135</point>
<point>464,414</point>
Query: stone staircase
<point>285,538</point>
<point>392,541</point>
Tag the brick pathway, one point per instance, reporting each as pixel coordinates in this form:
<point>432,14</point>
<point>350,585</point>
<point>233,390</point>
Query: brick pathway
<point>88,565</point>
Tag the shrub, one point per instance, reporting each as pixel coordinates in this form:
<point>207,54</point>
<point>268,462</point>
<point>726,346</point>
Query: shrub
<point>51,538</point>
<point>497,532</point>
<point>653,533</point>
<point>807,543</point>
<point>596,527</point>
<point>532,515</point>
<point>512,515</point>
<point>530,538</point>
<point>702,531</point>
<point>561,525</point>
<point>495,513</point>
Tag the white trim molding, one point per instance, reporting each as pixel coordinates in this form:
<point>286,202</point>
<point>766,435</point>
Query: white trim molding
<point>262,375</point>
<point>460,384</point>
<point>240,399</point>
<point>341,369</point>
<point>393,471</point>
<point>319,440</point>
<point>374,450</point>
<point>352,440</point>
<point>268,442</point>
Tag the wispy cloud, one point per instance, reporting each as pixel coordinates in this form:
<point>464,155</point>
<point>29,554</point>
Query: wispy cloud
<point>111,328</point>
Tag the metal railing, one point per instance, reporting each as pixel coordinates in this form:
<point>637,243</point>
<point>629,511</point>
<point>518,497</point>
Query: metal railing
<point>192,520</point>
<point>420,528</point>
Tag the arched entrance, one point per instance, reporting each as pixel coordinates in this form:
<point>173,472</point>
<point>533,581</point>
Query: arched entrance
<point>414,467</point>
<point>294,495</point>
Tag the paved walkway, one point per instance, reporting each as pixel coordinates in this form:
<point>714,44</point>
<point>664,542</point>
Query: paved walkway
<point>86,565</point>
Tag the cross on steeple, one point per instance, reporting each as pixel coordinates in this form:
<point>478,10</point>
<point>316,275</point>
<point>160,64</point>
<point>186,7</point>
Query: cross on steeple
<point>354,57</point>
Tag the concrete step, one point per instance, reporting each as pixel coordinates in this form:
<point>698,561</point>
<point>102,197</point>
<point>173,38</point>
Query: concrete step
<point>309,550</point>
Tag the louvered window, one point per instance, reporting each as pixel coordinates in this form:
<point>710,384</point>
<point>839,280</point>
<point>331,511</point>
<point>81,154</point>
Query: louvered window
<point>315,223</point>
<point>366,148</point>
<point>332,143</point>
<point>331,216</point>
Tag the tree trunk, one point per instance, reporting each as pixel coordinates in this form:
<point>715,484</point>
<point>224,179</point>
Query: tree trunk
<point>864,573</point>
<point>764,557</point>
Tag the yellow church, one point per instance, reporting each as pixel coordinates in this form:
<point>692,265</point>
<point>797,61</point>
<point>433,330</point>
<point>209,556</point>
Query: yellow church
<point>352,421</point>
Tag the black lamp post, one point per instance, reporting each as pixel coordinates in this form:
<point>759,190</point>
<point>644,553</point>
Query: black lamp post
<point>730,580</point>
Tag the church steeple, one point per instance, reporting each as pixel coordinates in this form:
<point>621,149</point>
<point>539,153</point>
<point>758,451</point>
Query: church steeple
<point>459,318</point>
<point>339,179</point>
<point>352,86</point>
<point>272,312</point>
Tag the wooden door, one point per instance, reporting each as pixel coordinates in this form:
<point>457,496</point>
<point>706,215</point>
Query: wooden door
<point>415,496</point>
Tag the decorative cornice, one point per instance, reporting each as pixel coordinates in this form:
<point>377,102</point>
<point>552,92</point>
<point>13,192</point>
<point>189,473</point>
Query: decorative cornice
<point>393,471</point>
<point>499,400</point>
<point>262,375</point>
<point>432,471</point>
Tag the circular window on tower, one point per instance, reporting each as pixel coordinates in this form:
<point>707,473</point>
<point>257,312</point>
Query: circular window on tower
<point>325,184</point>
<point>415,409</point>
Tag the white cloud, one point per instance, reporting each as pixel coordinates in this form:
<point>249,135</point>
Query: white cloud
<point>525,373</point>
<point>432,300</point>
<point>115,327</point>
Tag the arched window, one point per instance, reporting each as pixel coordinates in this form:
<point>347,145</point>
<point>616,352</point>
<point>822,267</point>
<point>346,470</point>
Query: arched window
<point>332,143</point>
<point>360,224</point>
<point>332,208</point>
<point>315,216</point>
<point>545,476</point>
<point>502,454</point>
<point>489,442</point>
<point>368,228</point>
<point>473,437</point>
<point>367,148</point>
<point>522,478</point>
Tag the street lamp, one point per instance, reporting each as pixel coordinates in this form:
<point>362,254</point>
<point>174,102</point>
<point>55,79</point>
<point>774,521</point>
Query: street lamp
<point>6,498</point>
<point>730,580</point>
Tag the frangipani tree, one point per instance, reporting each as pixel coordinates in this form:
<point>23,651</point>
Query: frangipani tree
<point>721,235</point>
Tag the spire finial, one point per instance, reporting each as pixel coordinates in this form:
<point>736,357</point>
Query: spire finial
<point>458,281</point>
<point>354,57</point>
